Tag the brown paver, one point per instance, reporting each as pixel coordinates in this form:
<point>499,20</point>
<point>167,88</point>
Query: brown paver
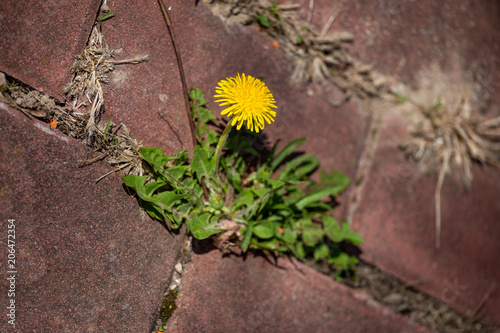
<point>87,258</point>
<point>396,217</point>
<point>109,266</point>
<point>252,295</point>
<point>40,39</point>
<point>212,51</point>
<point>403,40</point>
<point>86,266</point>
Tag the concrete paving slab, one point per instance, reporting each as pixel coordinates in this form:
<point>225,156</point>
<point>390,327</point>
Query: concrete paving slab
<point>252,295</point>
<point>87,258</point>
<point>396,217</point>
<point>40,39</point>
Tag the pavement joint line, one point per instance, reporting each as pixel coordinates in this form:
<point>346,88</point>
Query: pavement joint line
<point>167,305</point>
<point>365,159</point>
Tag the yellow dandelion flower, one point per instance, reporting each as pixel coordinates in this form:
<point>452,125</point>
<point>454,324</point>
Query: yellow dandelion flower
<point>250,102</point>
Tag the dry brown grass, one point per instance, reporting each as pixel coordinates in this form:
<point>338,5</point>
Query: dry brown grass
<point>449,140</point>
<point>79,116</point>
<point>316,56</point>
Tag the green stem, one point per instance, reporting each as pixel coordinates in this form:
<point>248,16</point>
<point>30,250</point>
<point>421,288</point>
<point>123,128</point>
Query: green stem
<point>220,145</point>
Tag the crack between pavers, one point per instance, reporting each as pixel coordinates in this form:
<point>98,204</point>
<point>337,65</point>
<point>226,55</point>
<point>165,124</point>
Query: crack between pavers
<point>365,160</point>
<point>168,303</point>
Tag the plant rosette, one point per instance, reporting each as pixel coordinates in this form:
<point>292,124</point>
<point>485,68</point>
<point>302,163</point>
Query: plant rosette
<point>245,198</point>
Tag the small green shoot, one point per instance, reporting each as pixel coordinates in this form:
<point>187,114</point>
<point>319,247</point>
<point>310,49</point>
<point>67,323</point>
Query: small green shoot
<point>264,18</point>
<point>435,107</point>
<point>105,17</point>
<point>401,98</point>
<point>299,35</point>
<point>106,129</point>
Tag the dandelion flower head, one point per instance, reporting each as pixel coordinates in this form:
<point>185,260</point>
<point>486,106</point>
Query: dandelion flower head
<point>250,102</point>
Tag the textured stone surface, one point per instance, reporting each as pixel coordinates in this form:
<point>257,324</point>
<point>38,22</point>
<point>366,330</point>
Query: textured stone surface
<point>212,51</point>
<point>403,37</point>
<point>40,39</point>
<point>252,295</point>
<point>107,266</point>
<point>453,48</point>
<point>396,218</point>
<point>87,258</point>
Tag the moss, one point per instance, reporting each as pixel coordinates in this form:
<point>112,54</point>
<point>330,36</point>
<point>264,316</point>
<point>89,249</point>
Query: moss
<point>168,306</point>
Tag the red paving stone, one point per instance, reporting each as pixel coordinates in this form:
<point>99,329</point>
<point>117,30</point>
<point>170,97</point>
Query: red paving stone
<point>402,40</point>
<point>87,259</point>
<point>40,39</point>
<point>212,51</point>
<point>396,217</point>
<point>252,295</point>
<point>459,274</point>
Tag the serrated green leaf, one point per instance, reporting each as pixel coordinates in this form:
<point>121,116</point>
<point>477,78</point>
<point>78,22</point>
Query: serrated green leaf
<point>151,187</point>
<point>260,192</point>
<point>343,260</point>
<point>319,206</point>
<point>331,227</point>
<point>275,218</point>
<point>264,230</point>
<point>197,95</point>
<point>181,158</point>
<point>312,237</point>
<point>183,209</point>
<point>314,197</point>
<point>271,245</point>
<point>336,179</point>
<point>202,165</point>
<point>135,182</point>
<point>156,157</point>
<point>304,223</point>
<point>322,251</point>
<point>166,199</point>
<point>275,183</point>
<point>247,236</point>
<point>234,178</point>
<point>246,198</point>
<point>344,233</point>
<point>280,206</point>
<point>264,194</point>
<point>202,228</point>
<point>285,152</point>
<point>206,115</point>
<point>300,252</point>
<point>289,236</point>
<point>152,210</point>
<point>193,185</point>
<point>299,167</point>
<point>212,137</point>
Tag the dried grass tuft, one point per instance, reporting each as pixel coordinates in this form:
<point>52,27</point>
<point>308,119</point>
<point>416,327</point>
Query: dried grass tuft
<point>316,56</point>
<point>91,69</point>
<point>450,140</point>
<point>79,116</point>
